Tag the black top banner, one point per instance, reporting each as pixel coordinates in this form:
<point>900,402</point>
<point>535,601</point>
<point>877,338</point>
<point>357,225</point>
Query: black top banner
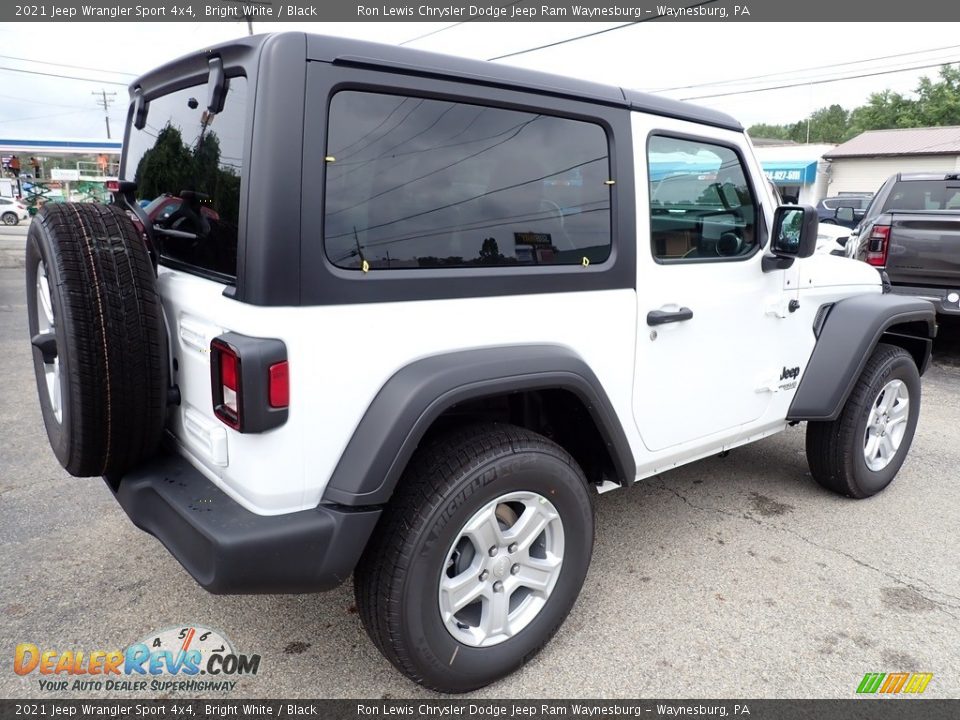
<point>451,11</point>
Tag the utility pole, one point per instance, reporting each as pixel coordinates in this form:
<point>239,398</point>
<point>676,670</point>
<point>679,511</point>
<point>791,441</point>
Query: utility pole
<point>105,100</point>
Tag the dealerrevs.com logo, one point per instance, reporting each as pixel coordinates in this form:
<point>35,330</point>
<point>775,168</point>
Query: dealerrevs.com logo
<point>189,658</point>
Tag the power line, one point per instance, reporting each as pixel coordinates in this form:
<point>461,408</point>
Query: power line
<point>452,25</point>
<point>65,77</point>
<point>434,32</point>
<point>66,65</point>
<point>820,82</point>
<point>470,199</point>
<point>437,170</point>
<point>44,117</point>
<point>40,102</point>
<point>593,34</point>
<point>734,81</point>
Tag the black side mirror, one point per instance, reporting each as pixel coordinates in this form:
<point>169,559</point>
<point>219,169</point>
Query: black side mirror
<point>845,214</point>
<point>794,236</point>
<point>794,231</point>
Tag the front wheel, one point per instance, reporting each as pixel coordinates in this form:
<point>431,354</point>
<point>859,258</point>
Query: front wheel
<point>479,557</point>
<point>860,452</point>
<point>10,218</point>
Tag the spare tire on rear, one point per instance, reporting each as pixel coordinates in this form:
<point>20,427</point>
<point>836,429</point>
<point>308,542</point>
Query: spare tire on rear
<point>99,343</point>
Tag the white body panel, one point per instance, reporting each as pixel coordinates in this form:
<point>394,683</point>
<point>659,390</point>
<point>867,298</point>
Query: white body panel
<point>340,356</point>
<point>699,387</point>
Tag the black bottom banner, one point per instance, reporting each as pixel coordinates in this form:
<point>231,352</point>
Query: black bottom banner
<point>894,708</point>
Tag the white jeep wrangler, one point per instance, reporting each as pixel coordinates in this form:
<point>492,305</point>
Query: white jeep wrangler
<point>402,315</point>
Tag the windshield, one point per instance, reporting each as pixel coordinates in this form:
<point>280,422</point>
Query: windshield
<point>187,162</point>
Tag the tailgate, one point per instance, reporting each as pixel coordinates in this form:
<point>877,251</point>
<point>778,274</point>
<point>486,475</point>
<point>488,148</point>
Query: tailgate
<point>925,248</point>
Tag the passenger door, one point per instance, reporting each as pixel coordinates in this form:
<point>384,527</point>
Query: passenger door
<point>710,320</point>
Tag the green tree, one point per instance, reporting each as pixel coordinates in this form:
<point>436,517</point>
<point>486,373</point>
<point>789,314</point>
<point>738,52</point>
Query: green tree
<point>490,252</point>
<point>771,132</point>
<point>827,125</point>
<point>884,110</point>
<point>938,103</point>
<point>206,158</point>
<point>166,167</point>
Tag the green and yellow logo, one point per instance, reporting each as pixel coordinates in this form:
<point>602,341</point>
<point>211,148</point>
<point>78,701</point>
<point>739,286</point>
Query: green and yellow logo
<point>891,683</point>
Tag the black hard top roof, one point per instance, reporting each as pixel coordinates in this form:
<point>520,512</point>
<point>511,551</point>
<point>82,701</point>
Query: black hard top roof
<point>392,57</point>
<point>360,53</point>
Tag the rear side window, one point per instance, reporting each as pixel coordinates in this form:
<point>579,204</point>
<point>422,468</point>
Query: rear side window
<point>417,183</point>
<point>187,163</point>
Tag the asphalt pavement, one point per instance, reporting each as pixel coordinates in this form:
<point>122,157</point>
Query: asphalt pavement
<point>733,577</point>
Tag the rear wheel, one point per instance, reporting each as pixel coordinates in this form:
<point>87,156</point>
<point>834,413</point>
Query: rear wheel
<point>10,218</point>
<point>99,346</point>
<point>860,452</point>
<point>479,557</point>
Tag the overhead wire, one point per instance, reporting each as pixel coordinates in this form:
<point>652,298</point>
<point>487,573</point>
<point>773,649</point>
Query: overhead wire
<point>734,81</point>
<point>65,77</point>
<point>592,34</point>
<point>67,65</point>
<point>819,82</point>
<point>452,25</point>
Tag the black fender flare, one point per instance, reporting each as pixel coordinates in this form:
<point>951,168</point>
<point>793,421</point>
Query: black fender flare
<point>845,339</point>
<point>408,403</point>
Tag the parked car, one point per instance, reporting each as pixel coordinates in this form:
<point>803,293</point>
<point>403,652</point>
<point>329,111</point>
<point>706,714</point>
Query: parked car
<point>440,313</point>
<point>163,209</point>
<point>831,239</point>
<point>827,209</point>
<point>12,211</point>
<point>912,233</point>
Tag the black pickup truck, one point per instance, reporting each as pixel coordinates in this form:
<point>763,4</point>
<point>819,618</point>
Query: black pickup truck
<point>911,230</point>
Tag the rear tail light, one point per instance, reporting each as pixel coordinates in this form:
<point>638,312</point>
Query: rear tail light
<point>250,382</point>
<point>226,390</point>
<point>113,185</point>
<point>878,244</point>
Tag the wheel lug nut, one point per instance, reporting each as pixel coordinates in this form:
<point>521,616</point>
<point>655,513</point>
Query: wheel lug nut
<point>493,551</point>
<point>498,586</point>
<point>515,569</point>
<point>484,575</point>
<point>512,548</point>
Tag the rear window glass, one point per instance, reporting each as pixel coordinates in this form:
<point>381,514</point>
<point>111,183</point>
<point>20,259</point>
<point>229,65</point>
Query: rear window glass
<point>187,163</point>
<point>924,195</point>
<point>417,183</point>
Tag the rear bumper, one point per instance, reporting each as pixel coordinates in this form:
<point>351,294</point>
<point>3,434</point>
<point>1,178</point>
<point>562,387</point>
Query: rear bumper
<point>227,548</point>
<point>938,296</point>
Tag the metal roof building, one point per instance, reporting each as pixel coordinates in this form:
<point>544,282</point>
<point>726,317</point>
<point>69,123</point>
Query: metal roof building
<point>865,162</point>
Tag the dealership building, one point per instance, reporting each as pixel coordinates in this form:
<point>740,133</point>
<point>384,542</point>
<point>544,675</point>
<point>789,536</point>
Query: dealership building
<point>862,164</point>
<point>798,171</point>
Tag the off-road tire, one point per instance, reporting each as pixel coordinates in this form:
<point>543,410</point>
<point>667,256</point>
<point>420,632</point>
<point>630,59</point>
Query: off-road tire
<point>449,479</point>
<point>110,338</point>
<point>835,449</point>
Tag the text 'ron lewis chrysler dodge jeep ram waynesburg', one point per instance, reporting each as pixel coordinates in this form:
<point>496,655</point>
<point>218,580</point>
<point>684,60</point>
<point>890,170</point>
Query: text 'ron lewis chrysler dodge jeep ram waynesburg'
<point>411,314</point>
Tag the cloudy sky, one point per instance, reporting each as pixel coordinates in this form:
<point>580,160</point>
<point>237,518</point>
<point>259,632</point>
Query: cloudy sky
<point>694,59</point>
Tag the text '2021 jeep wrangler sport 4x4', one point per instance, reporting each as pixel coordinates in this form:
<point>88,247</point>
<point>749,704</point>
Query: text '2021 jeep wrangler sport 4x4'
<point>412,311</point>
